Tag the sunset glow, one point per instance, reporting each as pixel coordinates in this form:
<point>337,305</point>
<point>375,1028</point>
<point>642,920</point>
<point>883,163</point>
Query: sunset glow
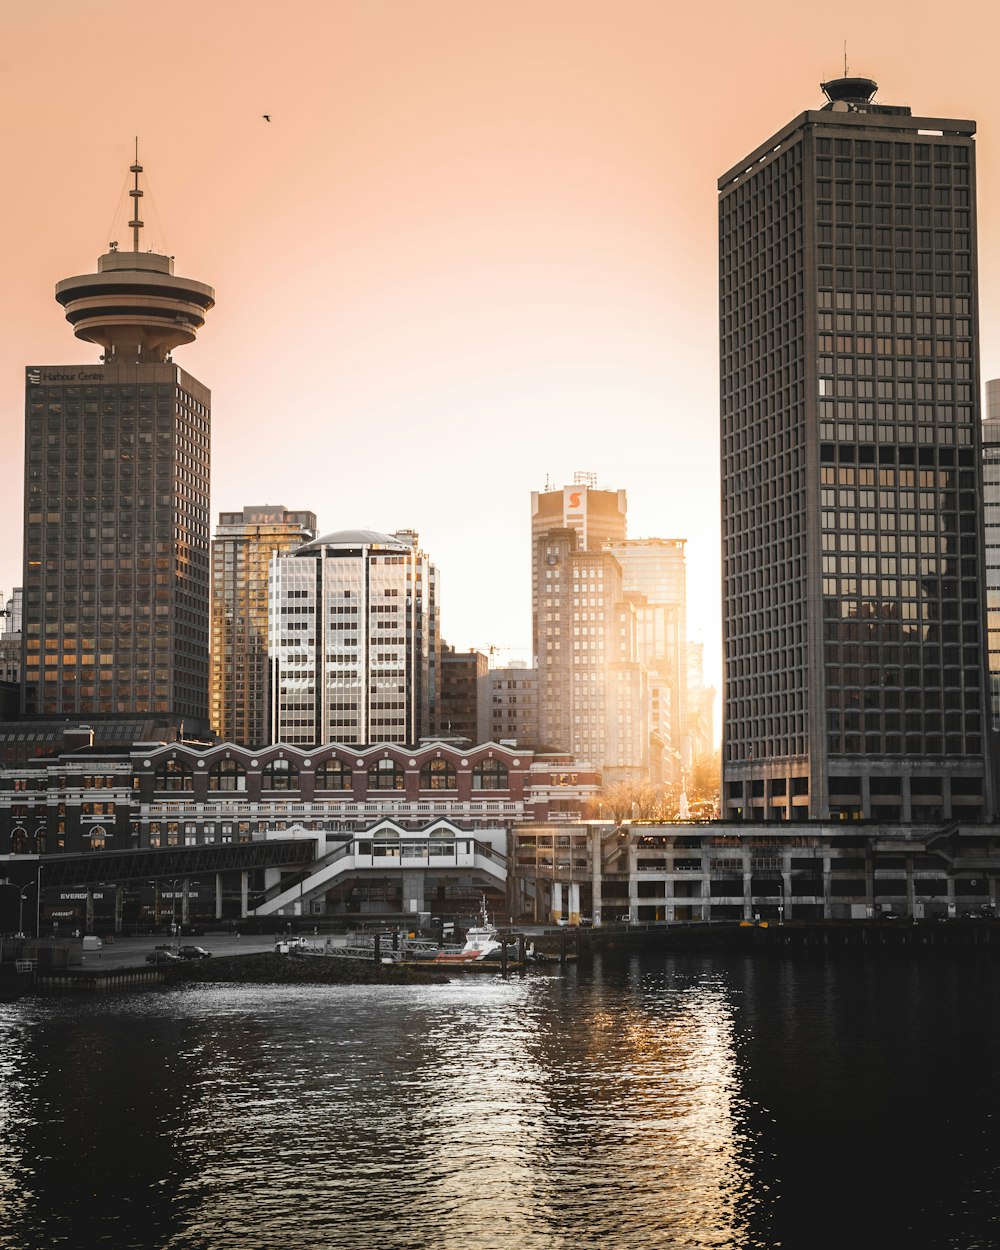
<point>473,248</point>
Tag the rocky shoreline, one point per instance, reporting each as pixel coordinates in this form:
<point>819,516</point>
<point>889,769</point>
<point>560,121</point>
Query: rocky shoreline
<point>273,969</point>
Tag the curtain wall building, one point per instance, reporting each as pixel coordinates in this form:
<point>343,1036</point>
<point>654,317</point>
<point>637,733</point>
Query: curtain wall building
<point>242,548</point>
<point>116,520</point>
<point>853,627</point>
<point>354,640</point>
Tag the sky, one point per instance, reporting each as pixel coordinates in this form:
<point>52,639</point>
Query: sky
<point>472,253</point>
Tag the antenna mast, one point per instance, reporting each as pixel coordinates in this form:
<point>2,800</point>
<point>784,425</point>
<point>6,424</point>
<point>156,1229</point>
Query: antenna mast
<point>136,223</point>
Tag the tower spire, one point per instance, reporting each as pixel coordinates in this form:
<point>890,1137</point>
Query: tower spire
<point>136,223</point>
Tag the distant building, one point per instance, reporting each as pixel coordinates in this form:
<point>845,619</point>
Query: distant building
<point>654,580</point>
<point>509,711</point>
<point>11,639</point>
<point>701,706</point>
<point>242,548</point>
<point>596,516</point>
<point>463,686</point>
<point>116,507</point>
<point>592,691</point>
<point>354,643</point>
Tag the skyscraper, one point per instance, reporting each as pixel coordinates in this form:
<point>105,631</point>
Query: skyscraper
<point>592,690</point>
<point>654,579</point>
<point>853,625</point>
<point>116,499</point>
<point>597,517</point>
<point>242,548</point>
<point>991,526</point>
<point>354,640</point>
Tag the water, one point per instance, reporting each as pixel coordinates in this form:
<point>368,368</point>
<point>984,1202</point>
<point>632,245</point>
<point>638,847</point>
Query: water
<point>642,1101</point>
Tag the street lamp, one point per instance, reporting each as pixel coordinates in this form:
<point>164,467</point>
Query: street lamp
<point>173,911</point>
<point>38,902</point>
<point>20,909</point>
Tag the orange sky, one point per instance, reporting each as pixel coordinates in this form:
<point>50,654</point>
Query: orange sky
<point>475,247</point>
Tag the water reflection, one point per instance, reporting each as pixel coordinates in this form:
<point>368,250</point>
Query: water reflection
<point>539,1112</point>
<point>636,1102</point>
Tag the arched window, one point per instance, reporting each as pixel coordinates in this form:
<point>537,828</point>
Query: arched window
<point>227,775</point>
<point>39,841</point>
<point>279,775</point>
<point>98,838</point>
<point>18,841</point>
<point>438,775</point>
<point>334,775</point>
<point>385,775</point>
<point>490,775</point>
<point>174,775</point>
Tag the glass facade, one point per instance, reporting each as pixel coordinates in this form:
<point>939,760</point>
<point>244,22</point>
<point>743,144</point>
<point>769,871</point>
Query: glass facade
<point>242,548</point>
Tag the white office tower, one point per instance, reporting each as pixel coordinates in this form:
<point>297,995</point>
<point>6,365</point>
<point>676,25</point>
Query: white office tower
<point>354,640</point>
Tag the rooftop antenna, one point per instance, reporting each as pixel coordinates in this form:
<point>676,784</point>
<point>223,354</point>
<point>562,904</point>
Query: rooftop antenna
<point>136,223</point>
<point>845,59</point>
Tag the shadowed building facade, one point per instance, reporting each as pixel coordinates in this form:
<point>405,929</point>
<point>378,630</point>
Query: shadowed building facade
<point>116,498</point>
<point>853,625</point>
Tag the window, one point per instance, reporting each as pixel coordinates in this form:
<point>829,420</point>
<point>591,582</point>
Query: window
<point>490,775</point>
<point>385,775</point>
<point>174,775</point>
<point>279,775</point>
<point>227,775</point>
<point>438,775</point>
<point>334,775</point>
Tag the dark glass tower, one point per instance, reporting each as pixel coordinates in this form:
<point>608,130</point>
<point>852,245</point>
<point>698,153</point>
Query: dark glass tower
<point>853,610</point>
<point>116,515</point>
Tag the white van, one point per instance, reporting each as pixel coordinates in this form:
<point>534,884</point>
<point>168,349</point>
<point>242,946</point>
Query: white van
<point>92,942</point>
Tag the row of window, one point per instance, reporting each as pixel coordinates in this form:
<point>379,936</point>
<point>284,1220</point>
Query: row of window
<point>385,774</point>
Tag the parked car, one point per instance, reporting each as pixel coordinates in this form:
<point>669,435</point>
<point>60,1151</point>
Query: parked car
<point>162,957</point>
<point>194,952</point>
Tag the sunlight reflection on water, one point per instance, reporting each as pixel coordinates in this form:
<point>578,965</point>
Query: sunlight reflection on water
<point>542,1112</point>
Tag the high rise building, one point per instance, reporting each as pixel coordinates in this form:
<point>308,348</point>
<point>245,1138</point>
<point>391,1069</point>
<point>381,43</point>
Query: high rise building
<point>853,625</point>
<point>654,579</point>
<point>596,516</point>
<point>991,528</point>
<point>116,498</point>
<point>592,691</point>
<point>242,548</point>
<point>354,640</point>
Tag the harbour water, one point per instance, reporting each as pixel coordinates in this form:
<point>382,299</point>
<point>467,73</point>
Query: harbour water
<point>646,1100</point>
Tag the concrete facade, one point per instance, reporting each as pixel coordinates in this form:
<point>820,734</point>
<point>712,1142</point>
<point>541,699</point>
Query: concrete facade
<point>853,626</point>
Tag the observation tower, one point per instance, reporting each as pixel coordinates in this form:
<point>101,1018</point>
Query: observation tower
<point>116,516</point>
<point>135,307</point>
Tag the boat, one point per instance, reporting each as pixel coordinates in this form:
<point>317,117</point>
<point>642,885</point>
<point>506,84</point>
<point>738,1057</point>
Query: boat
<point>482,943</point>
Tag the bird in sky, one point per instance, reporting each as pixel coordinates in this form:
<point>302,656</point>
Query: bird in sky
<point>266,116</point>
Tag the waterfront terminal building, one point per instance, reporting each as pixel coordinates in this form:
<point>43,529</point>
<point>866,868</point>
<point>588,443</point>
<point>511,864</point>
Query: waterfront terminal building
<point>339,834</point>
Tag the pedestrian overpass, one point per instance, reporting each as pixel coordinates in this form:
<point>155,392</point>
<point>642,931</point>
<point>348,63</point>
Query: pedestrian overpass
<point>390,850</point>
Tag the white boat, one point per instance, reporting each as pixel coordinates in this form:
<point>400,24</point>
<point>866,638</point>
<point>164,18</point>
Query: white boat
<point>482,942</point>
